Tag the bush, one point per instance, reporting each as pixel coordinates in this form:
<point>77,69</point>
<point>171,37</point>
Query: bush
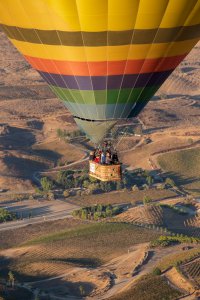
<point>66,193</point>
<point>147,200</point>
<point>51,196</point>
<point>156,271</point>
<point>169,182</point>
<point>135,188</point>
<point>46,184</point>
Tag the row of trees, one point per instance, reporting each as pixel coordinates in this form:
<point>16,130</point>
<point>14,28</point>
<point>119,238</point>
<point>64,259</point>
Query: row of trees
<point>70,179</point>
<point>97,212</point>
<point>165,241</point>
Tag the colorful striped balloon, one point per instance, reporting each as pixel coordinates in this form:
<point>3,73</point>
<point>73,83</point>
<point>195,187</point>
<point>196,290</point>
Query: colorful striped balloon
<point>104,58</point>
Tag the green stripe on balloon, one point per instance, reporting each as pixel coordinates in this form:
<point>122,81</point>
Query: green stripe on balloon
<point>103,96</point>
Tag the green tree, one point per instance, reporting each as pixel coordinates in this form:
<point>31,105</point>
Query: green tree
<point>46,184</point>
<point>86,183</point>
<point>169,182</point>
<point>156,271</point>
<point>147,200</point>
<point>82,290</point>
<point>99,208</point>
<point>135,187</point>
<point>59,133</point>
<point>11,278</point>
<point>84,214</point>
<point>109,211</point>
<point>66,194</point>
<point>51,196</point>
<point>149,180</point>
<point>5,215</point>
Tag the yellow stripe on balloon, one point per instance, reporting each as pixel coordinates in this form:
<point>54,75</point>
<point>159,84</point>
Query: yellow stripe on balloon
<point>110,53</point>
<point>177,13</point>
<point>99,15</point>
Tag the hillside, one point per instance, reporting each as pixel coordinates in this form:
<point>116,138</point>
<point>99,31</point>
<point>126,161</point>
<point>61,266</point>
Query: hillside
<point>165,216</point>
<point>183,166</point>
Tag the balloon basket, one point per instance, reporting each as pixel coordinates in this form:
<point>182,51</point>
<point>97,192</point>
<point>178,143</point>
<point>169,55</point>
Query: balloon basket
<point>105,172</point>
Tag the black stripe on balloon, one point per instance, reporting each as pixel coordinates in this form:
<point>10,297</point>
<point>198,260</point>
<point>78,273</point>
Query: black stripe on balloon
<point>102,38</point>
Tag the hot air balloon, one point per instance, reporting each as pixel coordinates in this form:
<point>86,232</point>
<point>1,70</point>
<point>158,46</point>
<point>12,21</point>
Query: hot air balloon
<point>104,59</point>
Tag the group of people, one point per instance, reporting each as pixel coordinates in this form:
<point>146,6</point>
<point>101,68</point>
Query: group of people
<point>104,155</point>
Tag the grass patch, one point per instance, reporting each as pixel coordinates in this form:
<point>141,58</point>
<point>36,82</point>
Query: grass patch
<point>183,166</point>
<point>149,287</point>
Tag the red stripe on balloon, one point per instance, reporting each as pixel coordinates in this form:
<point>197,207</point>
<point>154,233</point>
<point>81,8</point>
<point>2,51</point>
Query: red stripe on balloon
<point>105,68</point>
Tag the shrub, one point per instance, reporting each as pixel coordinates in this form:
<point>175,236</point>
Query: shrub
<point>147,200</point>
<point>170,182</point>
<point>156,271</point>
<point>66,193</point>
<point>51,196</point>
<point>46,184</point>
<point>135,188</point>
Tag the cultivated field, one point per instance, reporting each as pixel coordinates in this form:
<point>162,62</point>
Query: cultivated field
<point>148,288</point>
<point>192,271</point>
<point>88,255</point>
<point>183,166</point>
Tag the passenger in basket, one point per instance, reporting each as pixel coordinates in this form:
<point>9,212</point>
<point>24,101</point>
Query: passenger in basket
<point>97,159</point>
<point>92,155</point>
<point>103,158</point>
<point>108,158</point>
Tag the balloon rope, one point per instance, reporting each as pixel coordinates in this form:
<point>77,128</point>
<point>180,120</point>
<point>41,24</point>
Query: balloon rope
<point>119,141</point>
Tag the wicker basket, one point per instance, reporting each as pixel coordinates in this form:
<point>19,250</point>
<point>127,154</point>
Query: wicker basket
<point>105,172</point>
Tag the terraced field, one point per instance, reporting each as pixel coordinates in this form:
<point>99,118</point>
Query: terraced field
<point>193,225</point>
<point>161,216</point>
<point>192,271</point>
<point>148,214</point>
<point>183,166</point>
<point>149,287</point>
<point>85,246</point>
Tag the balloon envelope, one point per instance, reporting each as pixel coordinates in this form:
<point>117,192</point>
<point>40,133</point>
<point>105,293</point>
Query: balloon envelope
<point>104,59</point>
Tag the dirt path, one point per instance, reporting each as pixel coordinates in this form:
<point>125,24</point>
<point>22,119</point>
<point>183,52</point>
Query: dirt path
<point>147,267</point>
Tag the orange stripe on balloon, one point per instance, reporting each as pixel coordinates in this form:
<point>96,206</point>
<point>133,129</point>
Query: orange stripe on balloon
<point>105,68</point>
